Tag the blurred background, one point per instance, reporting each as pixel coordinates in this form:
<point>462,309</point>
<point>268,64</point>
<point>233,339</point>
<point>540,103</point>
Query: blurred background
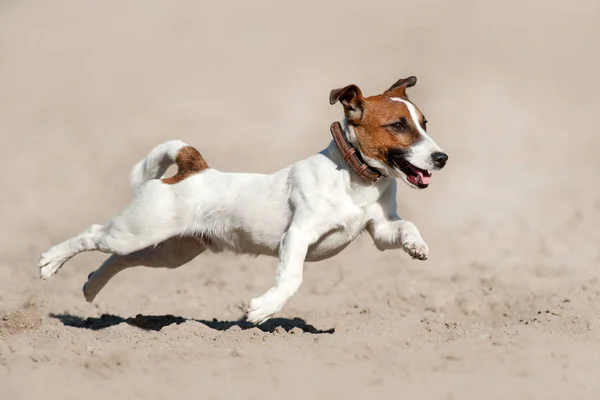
<point>507,303</point>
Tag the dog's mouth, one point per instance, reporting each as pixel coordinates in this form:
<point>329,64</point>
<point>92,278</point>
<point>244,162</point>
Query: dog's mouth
<point>414,175</point>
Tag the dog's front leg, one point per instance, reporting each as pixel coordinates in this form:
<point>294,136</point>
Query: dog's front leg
<point>292,252</point>
<point>391,232</point>
<point>411,241</point>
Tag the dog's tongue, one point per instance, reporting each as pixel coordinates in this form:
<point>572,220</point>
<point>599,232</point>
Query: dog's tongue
<point>424,178</point>
<point>420,178</point>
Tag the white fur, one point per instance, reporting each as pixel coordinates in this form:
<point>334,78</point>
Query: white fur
<point>420,154</point>
<point>308,211</point>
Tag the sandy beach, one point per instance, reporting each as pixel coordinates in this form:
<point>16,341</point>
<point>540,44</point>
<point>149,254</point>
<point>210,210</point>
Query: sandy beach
<point>506,307</point>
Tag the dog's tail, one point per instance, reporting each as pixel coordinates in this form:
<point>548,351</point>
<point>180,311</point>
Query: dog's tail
<point>160,158</point>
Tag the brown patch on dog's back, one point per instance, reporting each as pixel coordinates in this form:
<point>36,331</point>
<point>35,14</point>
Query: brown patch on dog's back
<point>189,161</point>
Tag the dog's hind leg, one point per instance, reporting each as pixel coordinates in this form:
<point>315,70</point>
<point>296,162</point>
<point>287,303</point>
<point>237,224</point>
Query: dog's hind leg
<point>141,224</point>
<point>53,259</point>
<point>156,214</point>
<point>172,253</point>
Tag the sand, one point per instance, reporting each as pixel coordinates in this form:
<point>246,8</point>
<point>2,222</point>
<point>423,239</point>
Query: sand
<point>507,306</point>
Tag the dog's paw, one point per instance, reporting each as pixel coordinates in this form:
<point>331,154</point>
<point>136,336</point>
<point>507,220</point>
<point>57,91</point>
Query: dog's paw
<point>261,309</point>
<point>89,291</point>
<point>416,249</point>
<point>412,242</point>
<point>49,263</point>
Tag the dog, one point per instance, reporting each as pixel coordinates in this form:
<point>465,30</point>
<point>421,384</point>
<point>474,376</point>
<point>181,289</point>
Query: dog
<point>306,212</point>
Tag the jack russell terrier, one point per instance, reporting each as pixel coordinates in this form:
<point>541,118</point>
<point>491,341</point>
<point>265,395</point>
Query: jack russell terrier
<point>309,211</point>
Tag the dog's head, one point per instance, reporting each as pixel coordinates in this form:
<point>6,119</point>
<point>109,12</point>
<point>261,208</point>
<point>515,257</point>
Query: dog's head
<point>391,132</point>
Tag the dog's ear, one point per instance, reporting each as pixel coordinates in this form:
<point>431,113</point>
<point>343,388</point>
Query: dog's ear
<point>398,89</point>
<point>352,100</point>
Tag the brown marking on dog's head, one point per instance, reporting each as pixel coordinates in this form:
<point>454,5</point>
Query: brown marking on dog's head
<point>381,124</point>
<point>352,100</point>
<point>189,161</point>
<point>386,126</point>
<point>398,89</point>
<point>388,135</point>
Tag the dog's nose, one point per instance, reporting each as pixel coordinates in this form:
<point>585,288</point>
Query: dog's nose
<point>439,159</point>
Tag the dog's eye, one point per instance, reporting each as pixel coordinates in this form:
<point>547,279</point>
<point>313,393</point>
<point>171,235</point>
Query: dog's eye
<point>425,124</point>
<point>399,126</point>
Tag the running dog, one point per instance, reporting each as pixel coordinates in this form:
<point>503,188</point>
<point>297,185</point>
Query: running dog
<point>308,211</point>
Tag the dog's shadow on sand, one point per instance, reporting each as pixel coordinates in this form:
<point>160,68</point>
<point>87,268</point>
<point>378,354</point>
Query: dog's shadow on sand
<point>157,322</point>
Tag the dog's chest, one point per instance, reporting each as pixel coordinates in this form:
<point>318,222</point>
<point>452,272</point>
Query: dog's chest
<point>348,217</point>
<point>349,224</point>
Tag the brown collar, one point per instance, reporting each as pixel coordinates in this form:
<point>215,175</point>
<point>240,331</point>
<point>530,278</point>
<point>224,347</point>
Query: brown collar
<point>352,157</point>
